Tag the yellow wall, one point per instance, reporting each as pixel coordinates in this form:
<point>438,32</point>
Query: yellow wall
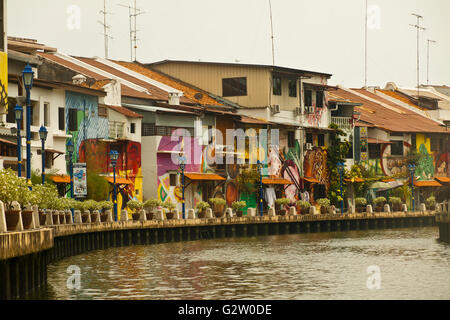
<point>4,82</point>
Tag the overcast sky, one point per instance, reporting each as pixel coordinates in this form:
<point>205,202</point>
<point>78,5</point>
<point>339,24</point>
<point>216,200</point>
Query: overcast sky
<point>319,35</point>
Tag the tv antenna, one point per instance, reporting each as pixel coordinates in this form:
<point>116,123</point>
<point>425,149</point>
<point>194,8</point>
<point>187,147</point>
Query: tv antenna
<point>133,12</point>
<point>106,27</point>
<point>428,58</point>
<point>418,27</point>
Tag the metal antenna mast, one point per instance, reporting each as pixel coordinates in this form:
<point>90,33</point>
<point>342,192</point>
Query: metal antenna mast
<point>271,33</point>
<point>133,13</point>
<point>418,27</point>
<point>105,28</point>
<point>365,52</point>
<point>428,58</point>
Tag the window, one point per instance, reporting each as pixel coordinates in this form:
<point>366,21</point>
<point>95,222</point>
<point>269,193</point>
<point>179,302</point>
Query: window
<point>73,121</point>
<point>46,114</point>
<point>309,138</point>
<point>374,151</point>
<point>276,86</point>
<point>232,87</point>
<point>292,88</point>
<point>133,127</point>
<point>291,139</point>
<point>350,152</point>
<point>308,98</point>
<point>319,99</point>
<point>173,179</point>
<point>61,121</point>
<point>434,144</point>
<point>396,148</point>
<point>102,111</point>
<point>321,140</point>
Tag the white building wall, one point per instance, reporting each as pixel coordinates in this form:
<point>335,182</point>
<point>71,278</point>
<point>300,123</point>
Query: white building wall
<point>149,165</point>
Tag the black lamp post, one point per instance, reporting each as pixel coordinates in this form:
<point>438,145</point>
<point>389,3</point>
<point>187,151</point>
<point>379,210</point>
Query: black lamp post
<point>114,155</point>
<point>412,169</point>
<point>182,162</point>
<point>18,113</point>
<point>43,136</point>
<point>27,76</point>
<point>340,167</point>
<point>69,146</point>
<point>260,165</point>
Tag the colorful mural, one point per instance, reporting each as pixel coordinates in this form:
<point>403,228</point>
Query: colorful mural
<point>315,166</point>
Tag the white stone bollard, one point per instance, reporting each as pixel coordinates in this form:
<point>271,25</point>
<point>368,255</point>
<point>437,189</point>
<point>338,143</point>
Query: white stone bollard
<point>35,222</point>
<point>209,213</point>
<point>69,219</point>
<point>404,208</point>
<point>312,210</point>
<point>292,211</point>
<point>16,206</point>
<point>251,212</point>
<point>272,212</point>
<point>228,212</point>
<point>124,215</point>
<point>422,207</point>
<point>48,217</point>
<point>190,214</point>
<point>369,209</point>
<point>177,215</point>
<point>109,216</point>
<point>387,208</point>
<point>142,215</point>
<point>159,215</point>
<point>77,214</point>
<point>62,214</point>
<point>95,217</point>
<point>3,227</point>
<point>351,209</point>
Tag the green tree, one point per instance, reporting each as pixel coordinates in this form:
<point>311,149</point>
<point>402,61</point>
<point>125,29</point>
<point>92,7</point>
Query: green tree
<point>97,186</point>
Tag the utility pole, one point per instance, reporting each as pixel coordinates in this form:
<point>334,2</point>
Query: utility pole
<point>365,51</point>
<point>428,59</point>
<point>418,27</point>
<point>133,12</point>
<point>105,28</point>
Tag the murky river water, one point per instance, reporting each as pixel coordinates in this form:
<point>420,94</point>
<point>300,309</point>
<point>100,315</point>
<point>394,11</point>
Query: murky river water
<point>412,265</point>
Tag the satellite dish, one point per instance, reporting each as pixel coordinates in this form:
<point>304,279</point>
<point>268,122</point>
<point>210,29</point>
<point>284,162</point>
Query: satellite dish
<point>198,96</point>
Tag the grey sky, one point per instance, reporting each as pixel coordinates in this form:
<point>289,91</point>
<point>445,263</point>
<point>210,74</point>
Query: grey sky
<point>321,35</point>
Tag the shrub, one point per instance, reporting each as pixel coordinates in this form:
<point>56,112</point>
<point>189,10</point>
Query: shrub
<point>395,200</point>
<point>217,201</point>
<point>431,201</point>
<point>13,188</point>
<point>169,205</point>
<point>323,202</point>
<point>379,201</point>
<point>282,201</point>
<point>106,205</point>
<point>360,202</point>
<point>152,203</point>
<point>135,205</point>
<point>97,186</point>
<point>303,204</point>
<point>202,205</point>
<point>238,205</point>
<point>91,205</point>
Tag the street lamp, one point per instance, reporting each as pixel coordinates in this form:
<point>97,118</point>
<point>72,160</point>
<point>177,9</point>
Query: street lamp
<point>260,165</point>
<point>28,75</point>
<point>182,161</point>
<point>340,167</point>
<point>69,146</point>
<point>18,112</point>
<point>412,169</point>
<point>43,136</point>
<point>114,155</point>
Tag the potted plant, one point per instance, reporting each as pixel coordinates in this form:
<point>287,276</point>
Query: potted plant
<point>201,207</point>
<point>396,203</point>
<point>136,206</point>
<point>218,206</point>
<point>238,206</point>
<point>324,204</point>
<point>379,203</point>
<point>88,205</point>
<point>280,204</point>
<point>105,206</point>
<point>43,196</point>
<point>169,205</point>
<point>360,204</point>
<point>150,205</point>
<point>12,188</point>
<point>304,206</point>
<point>431,203</point>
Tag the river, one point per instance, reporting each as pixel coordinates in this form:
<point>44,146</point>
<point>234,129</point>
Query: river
<point>408,264</point>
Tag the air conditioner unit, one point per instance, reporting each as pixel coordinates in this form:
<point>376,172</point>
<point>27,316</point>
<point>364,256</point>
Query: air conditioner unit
<point>309,146</point>
<point>297,111</point>
<point>276,108</point>
<point>309,109</point>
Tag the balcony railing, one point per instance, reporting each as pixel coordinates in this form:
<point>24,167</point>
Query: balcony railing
<point>116,130</point>
<point>343,122</point>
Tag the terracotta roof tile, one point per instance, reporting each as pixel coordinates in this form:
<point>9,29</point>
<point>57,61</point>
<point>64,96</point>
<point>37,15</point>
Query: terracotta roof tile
<point>125,111</point>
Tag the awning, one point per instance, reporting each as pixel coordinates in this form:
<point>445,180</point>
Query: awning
<point>49,150</point>
<point>119,180</point>
<point>430,183</point>
<point>204,176</point>
<point>8,142</point>
<point>61,179</point>
<point>374,140</point>
<point>276,181</point>
<point>319,86</point>
<point>312,180</point>
<point>442,179</point>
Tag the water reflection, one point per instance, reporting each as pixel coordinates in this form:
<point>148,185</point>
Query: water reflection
<point>307,266</point>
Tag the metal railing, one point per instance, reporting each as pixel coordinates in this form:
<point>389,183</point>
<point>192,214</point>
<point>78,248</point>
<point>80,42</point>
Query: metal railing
<point>343,122</point>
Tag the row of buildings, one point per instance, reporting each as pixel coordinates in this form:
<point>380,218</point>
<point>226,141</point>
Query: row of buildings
<point>136,109</point>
